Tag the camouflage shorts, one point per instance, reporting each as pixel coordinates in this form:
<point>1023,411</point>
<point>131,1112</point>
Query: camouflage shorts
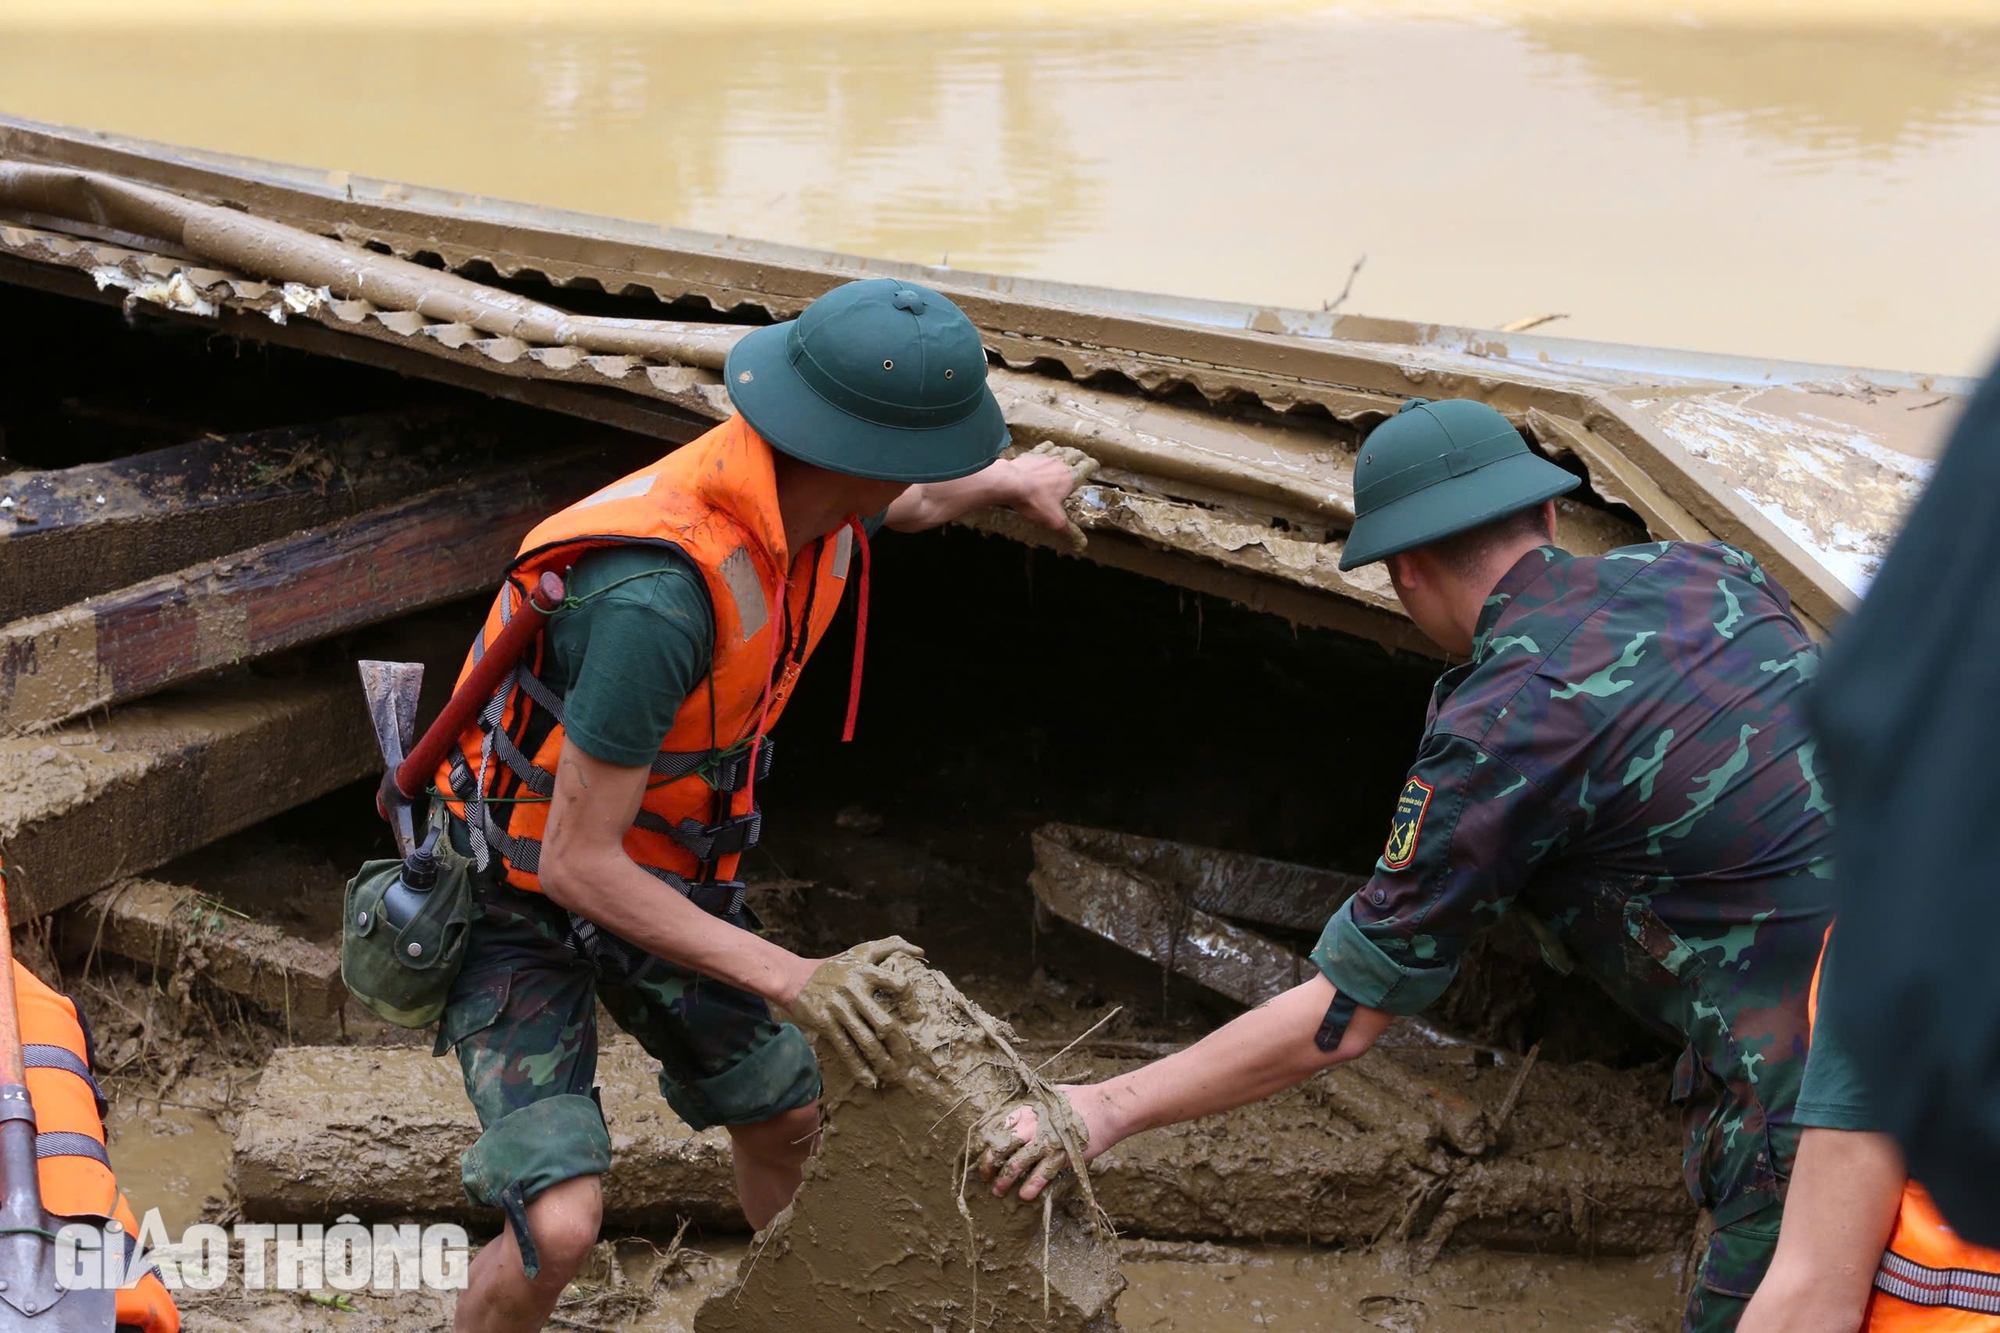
<point>523,1018</point>
<point>1736,1260</point>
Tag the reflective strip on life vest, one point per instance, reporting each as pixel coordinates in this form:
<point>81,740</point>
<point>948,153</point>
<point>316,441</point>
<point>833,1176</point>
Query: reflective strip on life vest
<point>37,1055</point>
<point>67,1143</point>
<point>1953,1288</point>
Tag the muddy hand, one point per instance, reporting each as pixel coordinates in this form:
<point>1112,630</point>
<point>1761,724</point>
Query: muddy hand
<point>838,1004</point>
<point>1045,477</point>
<point>1024,1147</point>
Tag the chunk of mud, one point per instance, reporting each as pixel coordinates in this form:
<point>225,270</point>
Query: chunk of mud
<point>888,1232</point>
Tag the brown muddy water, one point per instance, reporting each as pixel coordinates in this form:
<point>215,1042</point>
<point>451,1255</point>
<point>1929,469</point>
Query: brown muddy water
<point>1811,181</point>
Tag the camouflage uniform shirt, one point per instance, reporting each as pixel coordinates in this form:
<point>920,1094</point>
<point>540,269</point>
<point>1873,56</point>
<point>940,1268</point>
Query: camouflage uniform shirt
<point>1625,759</point>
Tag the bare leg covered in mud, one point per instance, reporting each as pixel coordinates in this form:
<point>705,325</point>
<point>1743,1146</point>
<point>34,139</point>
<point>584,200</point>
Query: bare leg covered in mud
<point>1263,1052</point>
<point>498,1297</point>
<point>770,1161</point>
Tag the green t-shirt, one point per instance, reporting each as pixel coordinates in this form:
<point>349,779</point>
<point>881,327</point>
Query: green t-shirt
<point>626,658</point>
<point>1831,1096</point>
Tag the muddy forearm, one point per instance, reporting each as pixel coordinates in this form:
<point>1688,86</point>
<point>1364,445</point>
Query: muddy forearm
<point>1034,486</point>
<point>628,902</point>
<point>1263,1052</point>
<point>585,870</point>
<point>932,504</point>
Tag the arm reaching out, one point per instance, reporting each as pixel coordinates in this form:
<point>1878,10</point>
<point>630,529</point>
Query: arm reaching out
<point>1033,485</point>
<point>1265,1051</point>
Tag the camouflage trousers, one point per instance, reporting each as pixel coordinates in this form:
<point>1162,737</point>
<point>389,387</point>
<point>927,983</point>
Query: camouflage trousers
<point>1736,1260</point>
<point>522,1016</point>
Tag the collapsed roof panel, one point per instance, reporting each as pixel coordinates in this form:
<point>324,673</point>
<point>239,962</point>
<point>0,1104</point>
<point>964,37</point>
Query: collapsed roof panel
<point>1225,434</point>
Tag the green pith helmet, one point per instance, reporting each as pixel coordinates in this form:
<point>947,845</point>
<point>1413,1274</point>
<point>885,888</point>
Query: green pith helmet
<point>878,378</point>
<point>1438,469</point>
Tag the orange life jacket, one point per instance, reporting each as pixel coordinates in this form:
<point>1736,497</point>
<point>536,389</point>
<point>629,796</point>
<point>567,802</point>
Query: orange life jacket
<point>74,1170</point>
<point>1929,1280</point>
<point>716,501</point>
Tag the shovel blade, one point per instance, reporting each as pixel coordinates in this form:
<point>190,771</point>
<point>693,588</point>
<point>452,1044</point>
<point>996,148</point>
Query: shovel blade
<point>32,1301</point>
<point>84,1310</point>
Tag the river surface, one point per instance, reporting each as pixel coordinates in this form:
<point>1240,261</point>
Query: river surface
<point>1810,181</point>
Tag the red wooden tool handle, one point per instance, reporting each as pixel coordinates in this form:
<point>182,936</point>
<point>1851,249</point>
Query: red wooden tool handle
<point>478,686</point>
<point>10,1017</point>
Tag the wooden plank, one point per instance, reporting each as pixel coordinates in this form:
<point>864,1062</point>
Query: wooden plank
<point>293,981</point>
<point>1135,912</point>
<point>89,805</point>
<point>424,551</point>
<point>73,532</point>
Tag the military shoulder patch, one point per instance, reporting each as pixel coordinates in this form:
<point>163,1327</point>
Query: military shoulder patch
<point>1407,824</point>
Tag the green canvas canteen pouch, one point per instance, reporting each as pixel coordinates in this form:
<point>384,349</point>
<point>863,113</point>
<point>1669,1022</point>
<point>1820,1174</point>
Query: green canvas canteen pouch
<point>401,944</point>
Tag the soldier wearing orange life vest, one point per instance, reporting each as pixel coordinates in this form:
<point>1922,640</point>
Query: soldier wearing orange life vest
<point>1862,1245</point>
<point>607,793</point>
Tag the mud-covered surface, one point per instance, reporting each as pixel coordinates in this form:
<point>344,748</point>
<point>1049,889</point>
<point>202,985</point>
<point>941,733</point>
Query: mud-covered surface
<point>891,1229</point>
<point>1003,692</point>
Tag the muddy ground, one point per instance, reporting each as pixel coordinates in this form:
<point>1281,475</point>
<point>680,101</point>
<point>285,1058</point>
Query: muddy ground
<point>1004,689</point>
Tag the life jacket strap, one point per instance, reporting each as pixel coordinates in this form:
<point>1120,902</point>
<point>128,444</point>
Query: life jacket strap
<point>860,634</point>
<point>1935,1288</point>
<point>539,690</point>
<point>36,1055</point>
<point>709,842</point>
<point>68,1143</point>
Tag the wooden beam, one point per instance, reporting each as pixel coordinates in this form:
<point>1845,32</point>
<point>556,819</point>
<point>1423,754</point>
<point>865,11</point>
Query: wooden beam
<point>73,532</point>
<point>422,552</point>
<point>89,805</point>
<point>295,982</point>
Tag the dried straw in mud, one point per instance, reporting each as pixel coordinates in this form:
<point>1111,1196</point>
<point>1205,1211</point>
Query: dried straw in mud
<point>894,1229</point>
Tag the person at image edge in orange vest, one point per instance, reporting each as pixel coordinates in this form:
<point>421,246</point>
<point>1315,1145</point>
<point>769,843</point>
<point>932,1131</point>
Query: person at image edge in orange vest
<point>605,796</point>
<point>1862,1245</point>
<point>70,1159</point>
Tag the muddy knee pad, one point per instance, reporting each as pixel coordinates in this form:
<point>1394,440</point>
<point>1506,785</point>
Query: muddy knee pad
<point>527,1151</point>
<point>776,1075</point>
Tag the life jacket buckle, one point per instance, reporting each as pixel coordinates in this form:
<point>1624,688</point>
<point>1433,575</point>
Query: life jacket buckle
<point>732,767</point>
<point>711,842</point>
<point>733,836</point>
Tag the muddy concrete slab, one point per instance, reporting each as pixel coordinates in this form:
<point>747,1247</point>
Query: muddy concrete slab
<point>889,1233</point>
<point>378,1132</point>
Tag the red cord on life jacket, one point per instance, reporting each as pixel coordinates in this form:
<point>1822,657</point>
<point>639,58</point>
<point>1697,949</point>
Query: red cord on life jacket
<point>860,633</point>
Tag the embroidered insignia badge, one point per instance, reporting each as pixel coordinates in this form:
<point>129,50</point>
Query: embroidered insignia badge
<point>1407,824</point>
